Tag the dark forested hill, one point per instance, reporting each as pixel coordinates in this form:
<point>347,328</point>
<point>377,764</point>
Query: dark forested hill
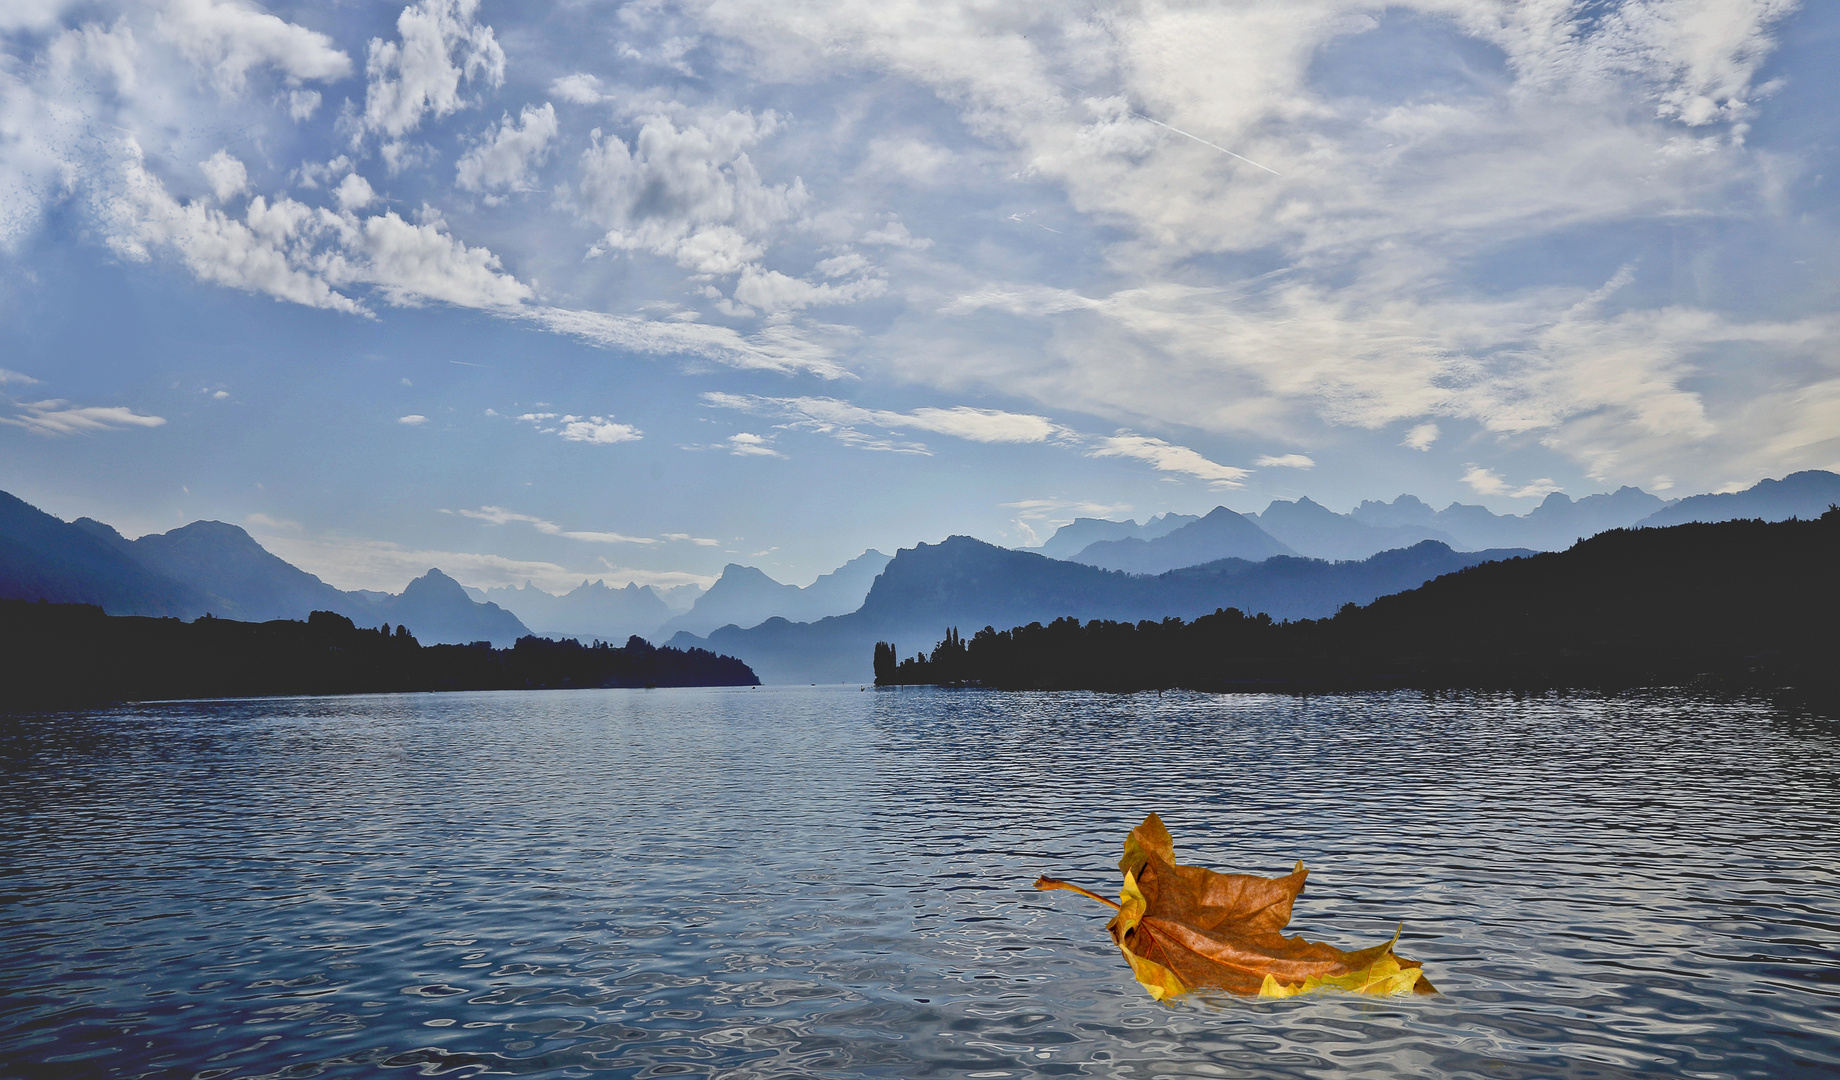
<point>61,655</point>
<point>1741,602</point>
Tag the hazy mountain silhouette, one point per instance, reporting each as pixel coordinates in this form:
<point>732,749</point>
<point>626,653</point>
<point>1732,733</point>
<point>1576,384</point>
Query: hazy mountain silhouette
<point>967,583</point>
<point>1070,539</point>
<point>43,557</point>
<point>1316,531</point>
<point>437,610</point>
<point>1805,495</point>
<point>1557,523</point>
<point>839,592</point>
<point>1222,534</point>
<point>211,567</point>
<point>743,595</point>
<point>746,596</point>
<point>680,598</point>
<point>241,578</point>
<point>1306,527</point>
<point>591,611</point>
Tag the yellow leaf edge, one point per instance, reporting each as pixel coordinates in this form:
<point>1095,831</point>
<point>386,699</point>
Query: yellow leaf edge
<point>1382,976</point>
<point>1158,980</point>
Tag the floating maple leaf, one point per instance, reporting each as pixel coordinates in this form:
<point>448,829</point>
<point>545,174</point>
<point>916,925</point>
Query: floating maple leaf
<point>1183,927</point>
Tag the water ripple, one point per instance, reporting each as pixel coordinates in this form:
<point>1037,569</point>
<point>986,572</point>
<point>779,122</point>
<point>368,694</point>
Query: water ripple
<point>814,882</point>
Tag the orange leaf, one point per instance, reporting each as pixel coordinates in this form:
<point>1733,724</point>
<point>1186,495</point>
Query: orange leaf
<point>1183,927</point>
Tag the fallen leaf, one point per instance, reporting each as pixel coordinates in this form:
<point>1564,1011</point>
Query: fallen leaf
<point>1184,927</point>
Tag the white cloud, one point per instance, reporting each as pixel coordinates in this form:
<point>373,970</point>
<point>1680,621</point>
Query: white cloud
<point>1064,510</point>
<point>578,89</point>
<point>777,347</point>
<point>771,290</point>
<point>31,14</point>
<point>302,104</point>
<point>842,420</point>
<point>1285,461</point>
<point>498,515</point>
<point>440,44</point>
<point>597,429</point>
<point>747,444</point>
<point>894,233</point>
<point>1596,116</point>
<point>588,429</point>
<point>298,253</point>
<point>7,377</point>
<point>690,194</point>
<point>503,158</point>
<point>412,263</point>
<point>413,419</point>
<point>1484,481</point>
<point>1421,436</point>
<point>1168,457</point>
<point>260,253</point>
<point>57,417</point>
<point>354,192</point>
<point>226,175</point>
<point>231,38</point>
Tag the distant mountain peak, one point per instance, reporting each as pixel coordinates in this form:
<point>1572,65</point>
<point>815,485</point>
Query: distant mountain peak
<point>102,531</point>
<point>435,582</point>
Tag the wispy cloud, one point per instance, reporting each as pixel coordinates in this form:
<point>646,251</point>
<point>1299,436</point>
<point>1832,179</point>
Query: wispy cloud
<point>844,421</point>
<point>413,419</point>
<point>1285,461</point>
<point>1421,436</point>
<point>8,378</point>
<point>58,417</point>
<point>1064,510</point>
<point>748,444</point>
<point>498,515</point>
<point>1054,513</point>
<point>356,563</point>
<point>1489,482</point>
<point>1168,457</point>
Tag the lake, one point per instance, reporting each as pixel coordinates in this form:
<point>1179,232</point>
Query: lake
<point>834,882</point>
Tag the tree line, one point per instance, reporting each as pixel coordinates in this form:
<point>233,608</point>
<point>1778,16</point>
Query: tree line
<point>1742,603</point>
<point>58,655</point>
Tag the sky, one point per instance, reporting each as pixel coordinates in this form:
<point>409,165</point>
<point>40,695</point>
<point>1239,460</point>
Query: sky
<point>628,291</point>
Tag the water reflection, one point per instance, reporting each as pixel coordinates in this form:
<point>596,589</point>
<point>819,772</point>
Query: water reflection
<point>814,882</point>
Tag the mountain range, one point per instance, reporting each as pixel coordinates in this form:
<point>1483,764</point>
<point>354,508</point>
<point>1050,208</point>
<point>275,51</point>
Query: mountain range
<point>591,611</point>
<point>1222,534</point>
<point>209,567</point>
<point>745,596</point>
<point>1295,559</point>
<point>1070,539</point>
<point>1304,527</point>
<point>970,584</point>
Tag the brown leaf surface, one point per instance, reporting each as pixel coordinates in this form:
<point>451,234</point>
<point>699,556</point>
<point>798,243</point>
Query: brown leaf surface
<point>1183,927</point>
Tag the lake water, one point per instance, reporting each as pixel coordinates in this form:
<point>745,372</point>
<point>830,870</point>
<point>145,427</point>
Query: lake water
<point>836,883</point>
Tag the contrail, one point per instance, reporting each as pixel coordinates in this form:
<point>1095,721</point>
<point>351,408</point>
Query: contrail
<point>1204,142</point>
